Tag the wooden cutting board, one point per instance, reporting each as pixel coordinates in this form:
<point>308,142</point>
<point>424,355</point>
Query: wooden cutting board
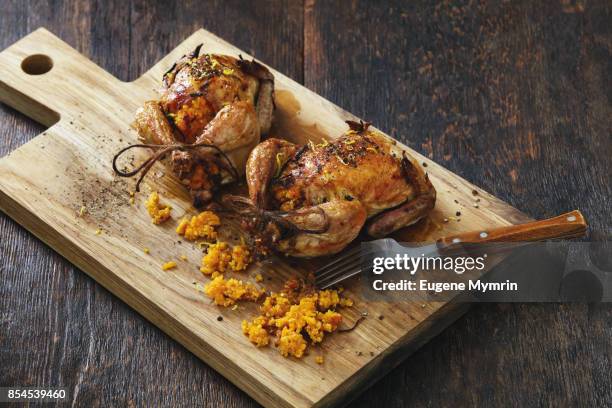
<point>45,183</point>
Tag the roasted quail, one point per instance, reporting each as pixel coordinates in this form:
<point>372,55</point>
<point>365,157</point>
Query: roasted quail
<point>313,200</point>
<point>212,111</point>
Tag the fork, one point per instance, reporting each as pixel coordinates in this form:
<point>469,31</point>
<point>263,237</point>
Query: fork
<point>348,264</point>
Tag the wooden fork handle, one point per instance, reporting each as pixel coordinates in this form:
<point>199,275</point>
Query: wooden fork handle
<point>569,225</point>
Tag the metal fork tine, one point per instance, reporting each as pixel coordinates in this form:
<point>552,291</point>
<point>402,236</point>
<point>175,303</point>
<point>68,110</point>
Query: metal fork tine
<point>340,268</point>
<point>347,255</point>
<point>348,270</point>
<point>342,278</point>
<point>340,265</point>
<point>342,261</point>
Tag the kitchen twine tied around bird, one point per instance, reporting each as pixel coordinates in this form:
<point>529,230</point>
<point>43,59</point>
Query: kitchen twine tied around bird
<point>309,220</point>
<point>160,152</point>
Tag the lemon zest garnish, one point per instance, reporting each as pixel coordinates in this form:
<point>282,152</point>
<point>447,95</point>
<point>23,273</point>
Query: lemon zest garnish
<point>341,160</point>
<point>323,143</point>
<point>279,164</point>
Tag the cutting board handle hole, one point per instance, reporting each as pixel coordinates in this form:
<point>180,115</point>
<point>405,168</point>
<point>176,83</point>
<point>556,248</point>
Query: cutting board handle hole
<point>37,64</point>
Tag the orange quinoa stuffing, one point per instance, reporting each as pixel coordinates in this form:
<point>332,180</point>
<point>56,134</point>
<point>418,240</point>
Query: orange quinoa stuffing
<point>256,332</point>
<point>241,257</point>
<point>293,322</point>
<point>199,226</point>
<point>228,292</point>
<point>193,116</point>
<point>216,259</point>
<point>291,342</point>
<point>158,212</point>
<point>220,256</point>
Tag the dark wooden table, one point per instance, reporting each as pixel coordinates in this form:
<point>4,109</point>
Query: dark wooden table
<point>515,97</point>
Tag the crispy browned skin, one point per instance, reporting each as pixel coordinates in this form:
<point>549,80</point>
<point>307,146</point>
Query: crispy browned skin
<point>362,176</point>
<point>209,99</point>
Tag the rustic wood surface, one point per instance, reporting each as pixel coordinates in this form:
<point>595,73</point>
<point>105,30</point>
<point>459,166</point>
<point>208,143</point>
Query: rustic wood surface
<point>514,97</point>
<point>47,183</point>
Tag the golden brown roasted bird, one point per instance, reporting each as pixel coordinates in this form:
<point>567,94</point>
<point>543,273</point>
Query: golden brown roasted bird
<point>212,111</point>
<point>313,200</point>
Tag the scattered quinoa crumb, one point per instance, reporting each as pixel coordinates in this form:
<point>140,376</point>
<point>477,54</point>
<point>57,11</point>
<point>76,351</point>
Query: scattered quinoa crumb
<point>82,211</point>
<point>183,257</point>
<point>228,292</point>
<point>159,213</point>
<point>241,257</point>
<point>98,231</point>
<point>146,250</point>
<point>199,226</point>
<point>219,257</point>
<point>169,265</point>
<point>295,320</point>
<point>319,360</point>
<point>258,277</point>
<point>256,332</point>
<point>216,259</point>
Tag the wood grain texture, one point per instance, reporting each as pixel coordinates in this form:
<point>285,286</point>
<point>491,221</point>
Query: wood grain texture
<point>85,338</point>
<point>515,97</point>
<point>60,187</point>
<point>566,347</point>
